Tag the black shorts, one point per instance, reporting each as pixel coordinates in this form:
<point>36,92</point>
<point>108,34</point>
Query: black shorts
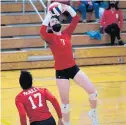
<point>67,73</point>
<point>50,121</point>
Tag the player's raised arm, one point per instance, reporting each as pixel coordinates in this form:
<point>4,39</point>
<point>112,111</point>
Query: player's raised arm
<point>21,111</point>
<point>75,19</point>
<point>43,30</point>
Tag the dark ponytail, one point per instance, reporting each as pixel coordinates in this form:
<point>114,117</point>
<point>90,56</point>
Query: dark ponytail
<point>116,5</point>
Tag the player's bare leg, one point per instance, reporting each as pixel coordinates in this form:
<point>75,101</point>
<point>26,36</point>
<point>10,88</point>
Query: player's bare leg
<point>82,79</point>
<point>64,87</point>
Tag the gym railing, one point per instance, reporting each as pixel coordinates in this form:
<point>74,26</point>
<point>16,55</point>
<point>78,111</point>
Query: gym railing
<point>34,7</point>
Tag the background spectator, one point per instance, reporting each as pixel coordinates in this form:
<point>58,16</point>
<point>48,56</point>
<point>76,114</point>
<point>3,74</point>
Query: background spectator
<point>112,22</point>
<point>89,6</point>
<point>78,6</point>
<point>81,7</point>
<point>103,5</point>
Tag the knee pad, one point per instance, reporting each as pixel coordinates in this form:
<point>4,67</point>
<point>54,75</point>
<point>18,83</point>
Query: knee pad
<point>93,96</point>
<point>65,108</point>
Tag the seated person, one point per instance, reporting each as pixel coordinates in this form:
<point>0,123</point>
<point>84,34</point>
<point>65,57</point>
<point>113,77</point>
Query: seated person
<point>89,6</point>
<point>103,5</point>
<point>112,22</point>
<point>79,7</point>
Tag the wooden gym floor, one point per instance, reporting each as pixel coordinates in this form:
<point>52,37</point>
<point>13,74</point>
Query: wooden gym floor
<point>110,82</point>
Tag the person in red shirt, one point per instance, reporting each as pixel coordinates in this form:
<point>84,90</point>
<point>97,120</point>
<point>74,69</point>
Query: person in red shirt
<point>65,65</point>
<point>32,101</point>
<point>112,22</point>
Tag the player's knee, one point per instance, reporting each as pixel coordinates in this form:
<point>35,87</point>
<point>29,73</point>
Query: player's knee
<point>93,96</point>
<point>65,108</point>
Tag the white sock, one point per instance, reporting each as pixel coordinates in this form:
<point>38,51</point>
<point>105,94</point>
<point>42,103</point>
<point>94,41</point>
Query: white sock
<point>94,112</point>
<point>66,123</point>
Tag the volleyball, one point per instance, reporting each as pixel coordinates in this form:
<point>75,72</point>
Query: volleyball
<point>55,8</point>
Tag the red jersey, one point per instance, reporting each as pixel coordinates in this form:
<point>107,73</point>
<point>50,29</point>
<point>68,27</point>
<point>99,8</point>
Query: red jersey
<point>33,103</point>
<point>60,45</point>
<point>110,17</point>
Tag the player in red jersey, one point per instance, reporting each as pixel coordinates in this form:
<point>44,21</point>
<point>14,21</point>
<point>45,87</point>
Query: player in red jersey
<point>32,101</point>
<point>65,65</point>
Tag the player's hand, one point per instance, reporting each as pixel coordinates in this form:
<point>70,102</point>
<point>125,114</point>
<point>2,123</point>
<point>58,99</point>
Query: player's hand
<point>90,3</point>
<point>64,7</point>
<point>57,8</point>
<point>60,122</point>
<point>49,13</point>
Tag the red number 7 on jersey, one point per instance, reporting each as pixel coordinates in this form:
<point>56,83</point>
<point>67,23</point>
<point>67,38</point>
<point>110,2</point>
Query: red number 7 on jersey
<point>32,100</point>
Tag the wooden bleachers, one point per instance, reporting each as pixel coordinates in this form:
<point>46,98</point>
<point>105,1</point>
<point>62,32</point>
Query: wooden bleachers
<point>20,18</point>
<point>29,18</point>
<point>17,7</point>
<point>122,4</point>
<point>22,56</point>
<point>50,63</point>
<point>35,29</point>
<point>83,56</point>
<point>20,31</point>
<point>90,52</point>
<point>21,43</point>
<point>77,40</point>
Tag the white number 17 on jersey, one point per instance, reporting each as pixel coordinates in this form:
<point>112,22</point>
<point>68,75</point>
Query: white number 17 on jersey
<point>32,102</point>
